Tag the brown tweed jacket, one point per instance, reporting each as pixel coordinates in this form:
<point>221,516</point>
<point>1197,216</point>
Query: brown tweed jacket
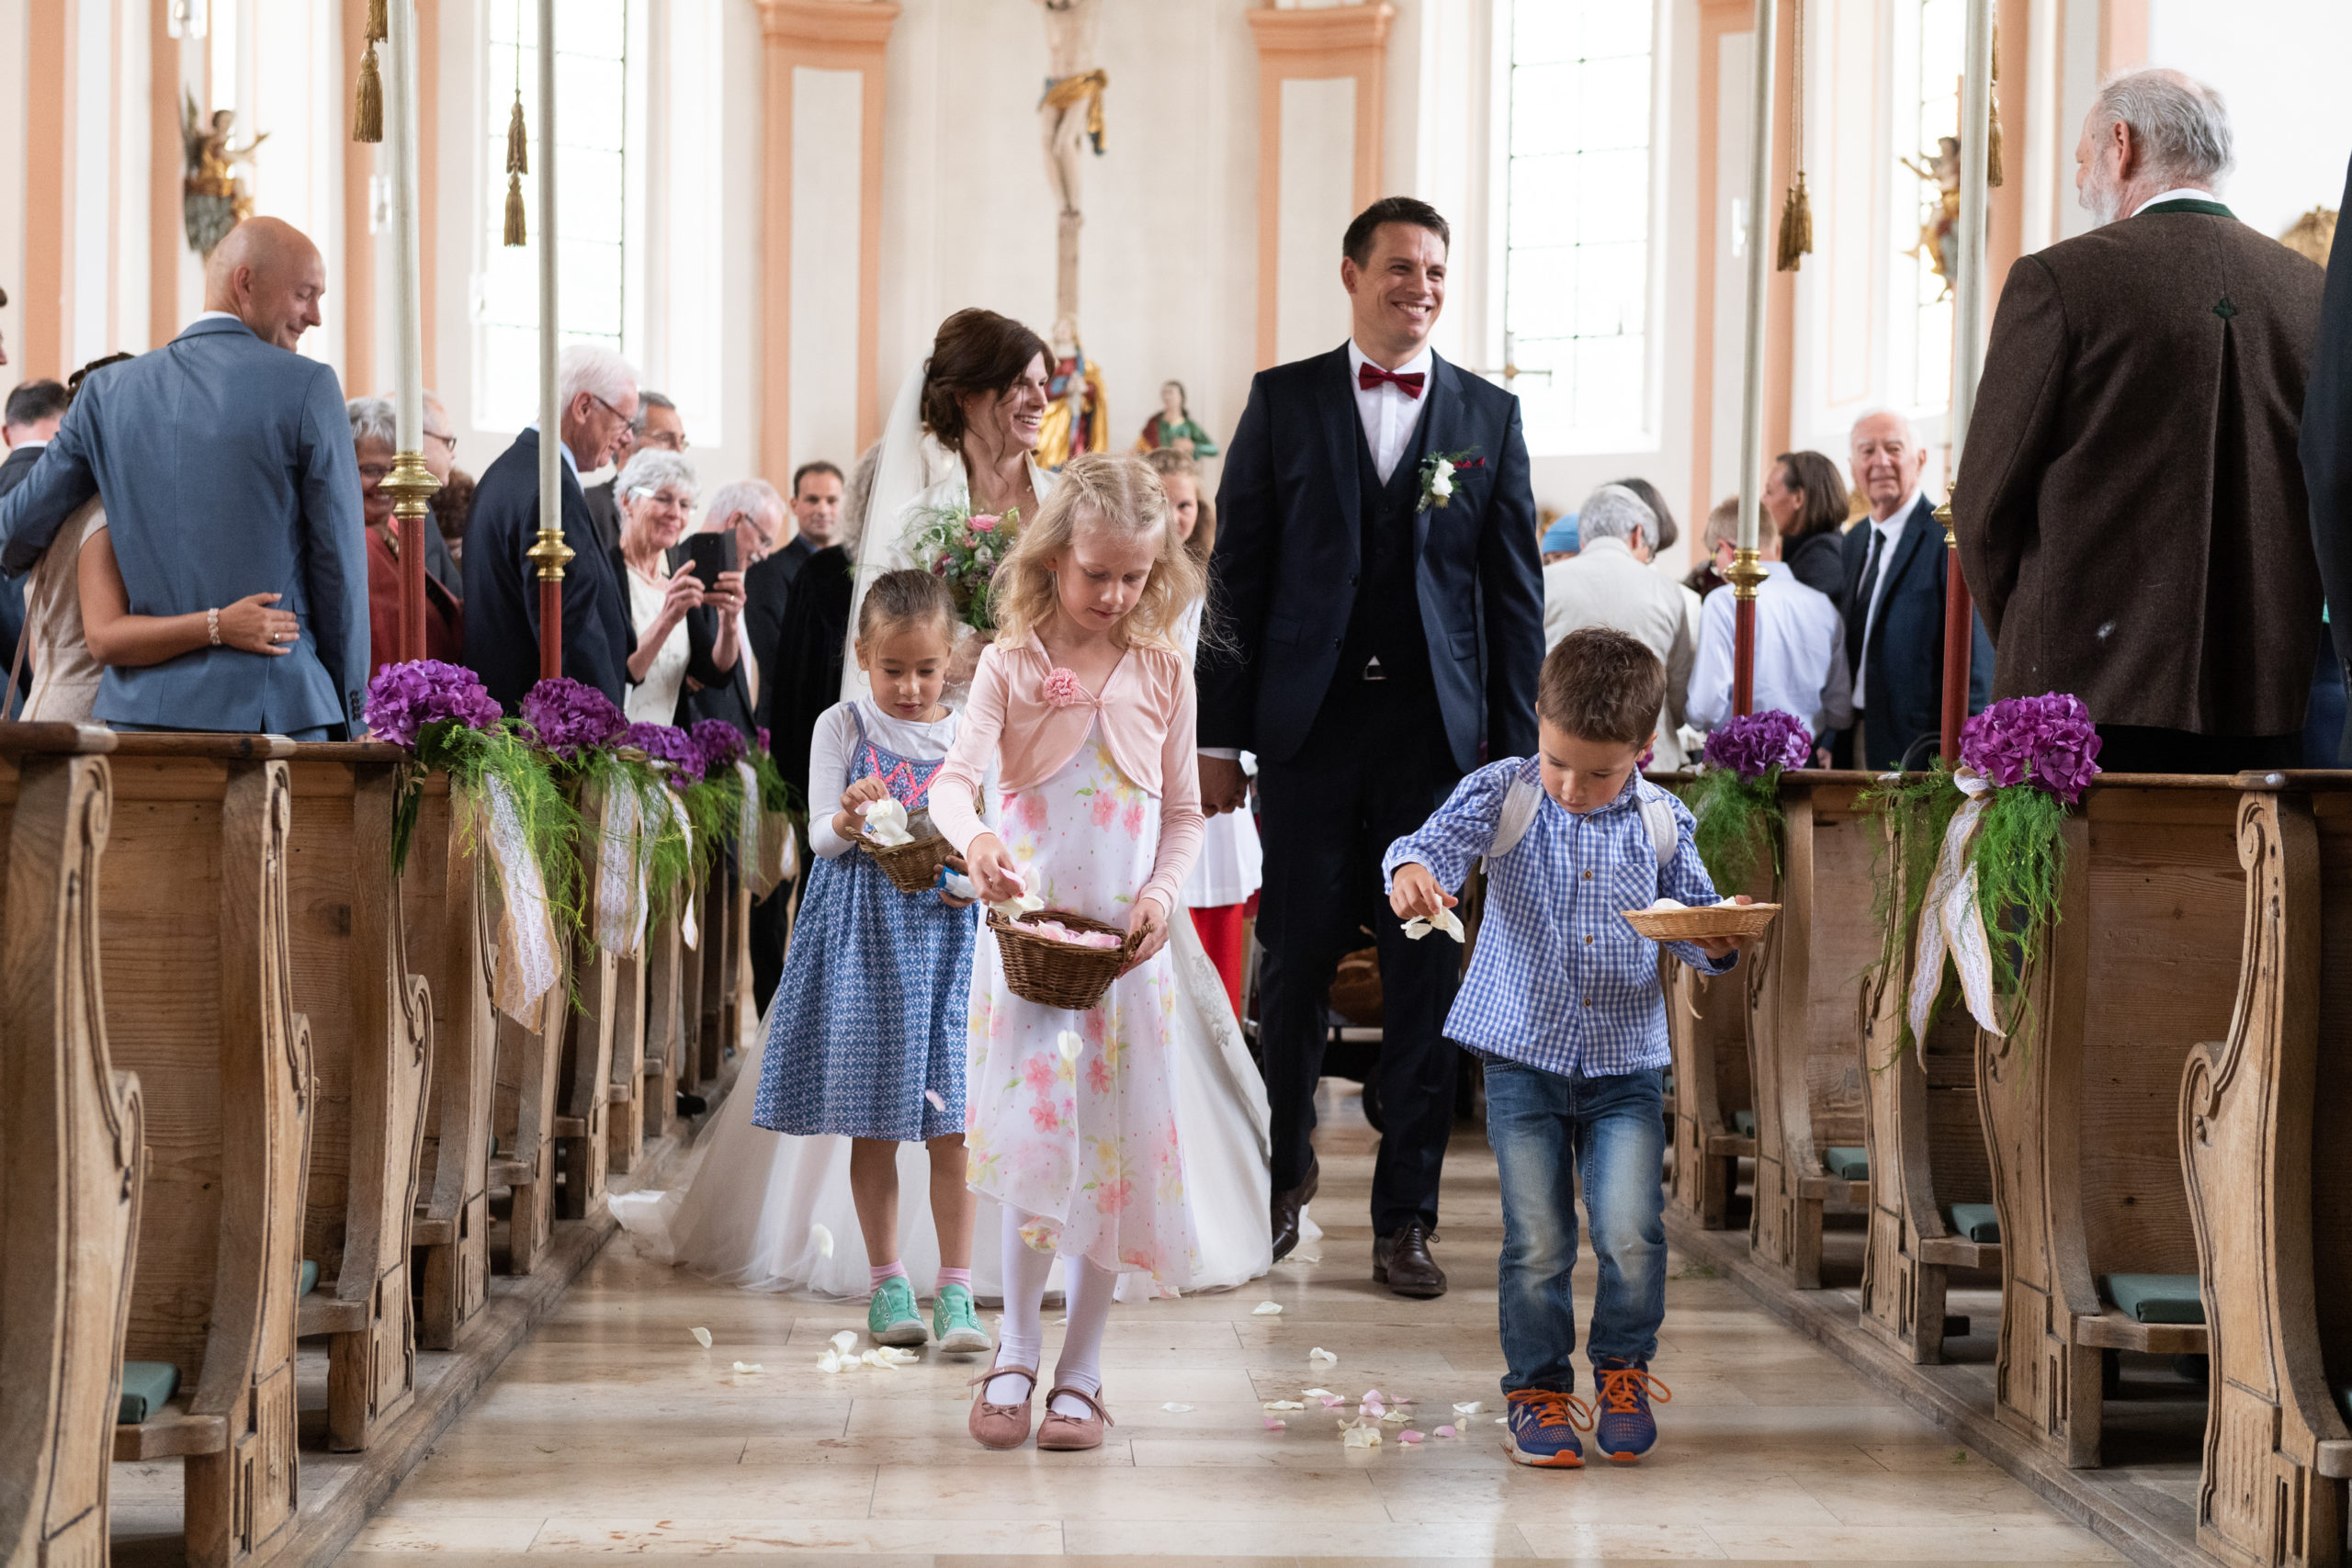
<point>2130,508</point>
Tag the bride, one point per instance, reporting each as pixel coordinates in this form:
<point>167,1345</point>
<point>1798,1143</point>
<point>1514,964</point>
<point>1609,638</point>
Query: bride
<point>768,1212</point>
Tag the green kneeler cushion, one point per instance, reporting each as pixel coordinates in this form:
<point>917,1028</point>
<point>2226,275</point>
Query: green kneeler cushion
<point>308,1281</point>
<point>1847,1165</point>
<point>1744,1124</point>
<point>2156,1298</point>
<point>1977,1221</point>
<point>147,1387</point>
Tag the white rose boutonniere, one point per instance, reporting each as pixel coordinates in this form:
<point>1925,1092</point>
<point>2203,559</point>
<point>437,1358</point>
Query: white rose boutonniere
<point>1438,471</point>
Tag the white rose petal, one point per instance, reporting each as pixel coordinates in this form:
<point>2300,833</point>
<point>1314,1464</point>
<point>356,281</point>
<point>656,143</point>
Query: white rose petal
<point>1470,1408</point>
<point>1319,1356</point>
<point>1071,1045</point>
<point>846,1341</point>
<point>1319,1393</point>
<point>1361,1437</point>
<point>830,1361</point>
<point>749,1367</point>
<point>1443,920</point>
<point>1285,1405</point>
<point>1175,1409</point>
<point>702,1337</point>
<point>886,822</point>
<point>823,1238</point>
<point>1267,1309</point>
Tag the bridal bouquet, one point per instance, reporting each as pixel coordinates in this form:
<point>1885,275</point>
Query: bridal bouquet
<point>1735,801</point>
<point>963,550</point>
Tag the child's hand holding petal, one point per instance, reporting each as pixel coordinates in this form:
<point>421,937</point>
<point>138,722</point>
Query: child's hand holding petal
<point>1414,894</point>
<point>990,868</point>
<point>1150,923</point>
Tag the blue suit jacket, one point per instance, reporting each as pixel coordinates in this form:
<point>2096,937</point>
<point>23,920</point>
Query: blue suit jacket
<point>503,588</point>
<point>225,466</point>
<point>1905,653</point>
<point>1289,539</point>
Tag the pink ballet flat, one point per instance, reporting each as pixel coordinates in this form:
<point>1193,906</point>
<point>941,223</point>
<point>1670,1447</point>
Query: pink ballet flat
<point>1072,1433</point>
<point>1002,1425</point>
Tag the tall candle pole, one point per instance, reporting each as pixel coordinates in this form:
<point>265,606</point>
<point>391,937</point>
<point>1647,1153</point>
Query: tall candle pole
<point>1968,350</point>
<point>411,484</point>
<point>1748,567</point>
<point>551,552</point>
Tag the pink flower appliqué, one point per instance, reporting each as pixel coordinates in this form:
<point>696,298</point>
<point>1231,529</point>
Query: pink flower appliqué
<point>1063,689</point>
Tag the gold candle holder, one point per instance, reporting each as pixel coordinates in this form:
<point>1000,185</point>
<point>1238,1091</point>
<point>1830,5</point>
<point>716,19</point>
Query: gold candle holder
<point>1747,574</point>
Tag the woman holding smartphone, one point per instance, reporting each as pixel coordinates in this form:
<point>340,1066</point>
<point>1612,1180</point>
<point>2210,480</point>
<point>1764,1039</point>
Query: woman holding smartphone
<point>657,496</point>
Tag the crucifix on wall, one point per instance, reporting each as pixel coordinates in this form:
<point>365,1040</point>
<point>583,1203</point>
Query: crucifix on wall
<point>1070,115</point>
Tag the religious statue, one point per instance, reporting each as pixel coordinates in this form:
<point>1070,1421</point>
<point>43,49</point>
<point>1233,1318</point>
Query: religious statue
<point>214,197</point>
<point>1172,427</point>
<point>2313,235</point>
<point>1078,419</point>
<point>1940,235</point>
<point>1070,115</point>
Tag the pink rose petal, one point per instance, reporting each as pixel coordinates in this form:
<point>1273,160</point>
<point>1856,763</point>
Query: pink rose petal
<point>1408,1436</point>
<point>1447,1432</point>
<point>1332,1399</point>
<point>1275,1424</point>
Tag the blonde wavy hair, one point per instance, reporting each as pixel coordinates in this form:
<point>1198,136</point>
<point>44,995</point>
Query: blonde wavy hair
<point>1119,492</point>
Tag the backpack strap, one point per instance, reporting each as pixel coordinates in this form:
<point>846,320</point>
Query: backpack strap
<point>1520,803</point>
<point>1666,835</point>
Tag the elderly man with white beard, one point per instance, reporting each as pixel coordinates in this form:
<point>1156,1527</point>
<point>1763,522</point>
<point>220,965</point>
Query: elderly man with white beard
<point>2130,507</point>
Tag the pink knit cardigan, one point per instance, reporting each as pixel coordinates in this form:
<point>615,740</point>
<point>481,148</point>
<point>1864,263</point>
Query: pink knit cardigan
<point>1145,713</point>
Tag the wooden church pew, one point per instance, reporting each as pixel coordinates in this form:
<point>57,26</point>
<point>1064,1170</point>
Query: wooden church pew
<point>73,1155</point>
<point>625,1087</point>
<point>198,1003</point>
<point>2081,1100</point>
<point>446,908</point>
<point>717,949</point>
<point>371,1030</point>
<point>524,1114</point>
<point>664,966</point>
<point>1707,1031</point>
<point>1804,1020</point>
<point>2262,1115</point>
<point>585,1066</point>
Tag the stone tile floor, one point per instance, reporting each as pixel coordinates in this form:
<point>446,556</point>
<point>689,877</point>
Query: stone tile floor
<point>612,1432</point>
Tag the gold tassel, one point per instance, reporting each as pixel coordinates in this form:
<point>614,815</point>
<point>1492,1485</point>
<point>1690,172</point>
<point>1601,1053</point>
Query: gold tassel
<point>1796,227</point>
<point>518,141</point>
<point>367,114</point>
<point>515,230</point>
<point>378,23</point>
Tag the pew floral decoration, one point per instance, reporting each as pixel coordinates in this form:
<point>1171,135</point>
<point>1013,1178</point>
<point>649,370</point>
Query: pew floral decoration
<point>444,717</point>
<point>640,851</point>
<point>1986,853</point>
<point>1734,799</point>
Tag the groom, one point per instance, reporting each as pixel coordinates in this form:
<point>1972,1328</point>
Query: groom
<point>1382,638</point>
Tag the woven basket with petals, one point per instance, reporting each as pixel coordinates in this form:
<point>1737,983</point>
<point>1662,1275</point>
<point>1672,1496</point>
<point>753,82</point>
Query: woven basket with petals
<point>1059,973</point>
<point>912,868</point>
<point>1707,922</point>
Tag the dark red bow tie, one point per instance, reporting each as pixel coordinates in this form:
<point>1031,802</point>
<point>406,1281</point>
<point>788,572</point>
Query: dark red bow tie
<point>1370,376</point>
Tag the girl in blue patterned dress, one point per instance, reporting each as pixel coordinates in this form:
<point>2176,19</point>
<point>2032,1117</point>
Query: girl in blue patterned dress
<point>866,1036</point>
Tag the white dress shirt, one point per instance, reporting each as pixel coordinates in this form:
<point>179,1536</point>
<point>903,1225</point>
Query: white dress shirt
<point>1387,413</point>
<point>2179,193</point>
<point>1800,655</point>
<point>1605,586</point>
<point>1890,534</point>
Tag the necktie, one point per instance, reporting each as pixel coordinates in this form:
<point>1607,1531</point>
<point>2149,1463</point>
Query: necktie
<point>1370,376</point>
<point>1858,615</point>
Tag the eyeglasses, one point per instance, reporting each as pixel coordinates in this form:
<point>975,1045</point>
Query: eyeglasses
<point>608,408</point>
<point>448,441</point>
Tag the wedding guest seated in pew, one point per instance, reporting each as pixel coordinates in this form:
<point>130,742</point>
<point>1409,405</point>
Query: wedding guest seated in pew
<point>2132,515</point>
<point>225,461</point>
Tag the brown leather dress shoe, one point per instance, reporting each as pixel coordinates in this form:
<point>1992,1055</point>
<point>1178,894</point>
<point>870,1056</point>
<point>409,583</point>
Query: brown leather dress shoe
<point>1002,1426</point>
<point>1401,1261</point>
<point>1287,1205</point>
<point>1059,1433</point>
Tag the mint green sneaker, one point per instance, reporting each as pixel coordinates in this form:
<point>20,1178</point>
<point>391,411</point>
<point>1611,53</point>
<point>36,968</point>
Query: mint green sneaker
<point>891,1317</point>
<point>955,1324</point>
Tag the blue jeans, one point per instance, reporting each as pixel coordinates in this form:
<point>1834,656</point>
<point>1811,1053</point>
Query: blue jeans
<point>1611,1133</point>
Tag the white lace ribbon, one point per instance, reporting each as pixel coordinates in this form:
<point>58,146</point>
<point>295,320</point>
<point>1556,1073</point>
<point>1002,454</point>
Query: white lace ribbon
<point>1952,925</point>
<point>685,890</point>
<point>527,966</point>
<point>620,872</point>
<point>747,826</point>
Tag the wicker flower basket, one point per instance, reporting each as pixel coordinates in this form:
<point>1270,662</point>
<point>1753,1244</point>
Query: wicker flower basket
<point>1706,922</point>
<point>1059,973</point>
<point>912,868</point>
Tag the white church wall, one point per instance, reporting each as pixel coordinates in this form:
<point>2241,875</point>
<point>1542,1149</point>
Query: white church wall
<point>2282,77</point>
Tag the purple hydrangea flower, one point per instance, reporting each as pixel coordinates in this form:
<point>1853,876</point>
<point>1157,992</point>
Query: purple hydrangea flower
<point>404,698</point>
<point>567,718</point>
<point>2046,742</point>
<point>718,744</point>
<point>763,745</point>
<point>1754,745</point>
<point>665,743</point>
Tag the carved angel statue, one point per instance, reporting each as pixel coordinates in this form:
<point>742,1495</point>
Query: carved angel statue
<point>214,197</point>
<point>1939,234</point>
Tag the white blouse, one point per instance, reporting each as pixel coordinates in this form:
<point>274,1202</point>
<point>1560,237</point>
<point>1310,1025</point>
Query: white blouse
<point>832,746</point>
<point>654,700</point>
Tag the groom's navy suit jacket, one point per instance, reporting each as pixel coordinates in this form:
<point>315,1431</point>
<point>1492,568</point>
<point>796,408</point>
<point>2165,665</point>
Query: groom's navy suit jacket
<point>1289,549</point>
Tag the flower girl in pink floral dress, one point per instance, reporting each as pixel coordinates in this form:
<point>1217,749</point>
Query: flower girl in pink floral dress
<point>1087,701</point>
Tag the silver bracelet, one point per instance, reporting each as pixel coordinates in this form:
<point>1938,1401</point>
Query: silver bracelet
<point>212,626</point>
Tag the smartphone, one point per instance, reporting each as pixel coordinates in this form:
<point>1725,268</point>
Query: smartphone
<point>710,554</point>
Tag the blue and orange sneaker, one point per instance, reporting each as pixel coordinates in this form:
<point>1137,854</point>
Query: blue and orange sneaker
<point>1626,1430</point>
<point>1542,1428</point>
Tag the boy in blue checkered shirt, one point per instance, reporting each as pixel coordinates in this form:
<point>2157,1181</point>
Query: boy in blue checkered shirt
<point>1563,1002</point>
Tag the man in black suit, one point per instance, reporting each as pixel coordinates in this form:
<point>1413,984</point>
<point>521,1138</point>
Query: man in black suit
<point>1382,638</point>
<point>1896,571</point>
<point>34,411</point>
<point>2325,447</point>
<point>598,393</point>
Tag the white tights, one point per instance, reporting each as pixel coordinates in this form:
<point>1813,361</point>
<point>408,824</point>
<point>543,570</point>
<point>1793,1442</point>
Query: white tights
<point>1022,1343</point>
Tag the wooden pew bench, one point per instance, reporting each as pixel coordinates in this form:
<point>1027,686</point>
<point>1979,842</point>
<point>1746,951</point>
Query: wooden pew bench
<point>371,1030</point>
<point>664,963</point>
<point>2262,1118</point>
<point>449,912</point>
<point>1707,1031</point>
<point>2081,1100</point>
<point>585,1066</point>
<point>73,1154</point>
<point>198,1003</point>
<point>1805,1023</point>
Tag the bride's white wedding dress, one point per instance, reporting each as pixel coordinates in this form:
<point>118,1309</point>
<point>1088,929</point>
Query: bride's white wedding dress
<point>762,1208</point>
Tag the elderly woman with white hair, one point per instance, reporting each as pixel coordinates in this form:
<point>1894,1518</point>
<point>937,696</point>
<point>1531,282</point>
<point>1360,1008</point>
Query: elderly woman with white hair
<point>373,440</point>
<point>657,496</point>
<point>1612,583</point>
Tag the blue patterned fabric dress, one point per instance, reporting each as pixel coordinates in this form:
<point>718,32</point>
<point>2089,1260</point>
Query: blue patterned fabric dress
<point>872,1012</point>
